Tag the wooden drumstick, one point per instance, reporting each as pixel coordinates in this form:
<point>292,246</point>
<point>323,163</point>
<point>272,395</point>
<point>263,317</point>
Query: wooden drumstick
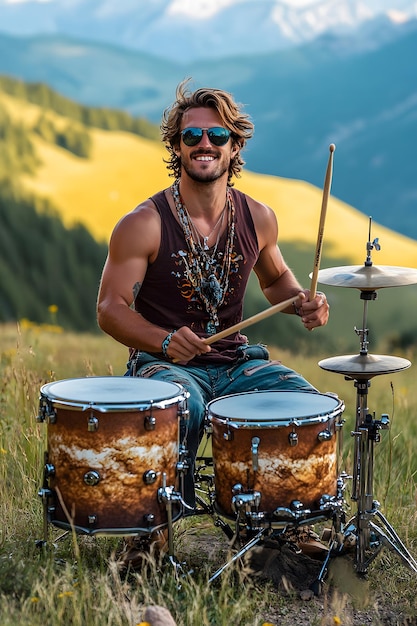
<point>319,245</point>
<point>251,320</point>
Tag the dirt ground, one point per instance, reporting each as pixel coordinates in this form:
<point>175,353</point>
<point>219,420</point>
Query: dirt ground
<point>298,599</point>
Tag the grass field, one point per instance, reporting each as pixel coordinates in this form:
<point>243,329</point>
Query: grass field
<point>75,580</point>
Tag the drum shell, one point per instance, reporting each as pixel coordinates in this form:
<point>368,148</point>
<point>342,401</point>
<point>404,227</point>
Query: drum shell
<point>303,472</point>
<point>120,451</point>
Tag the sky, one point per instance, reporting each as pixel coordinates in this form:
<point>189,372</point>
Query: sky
<point>190,4</point>
<point>209,7</point>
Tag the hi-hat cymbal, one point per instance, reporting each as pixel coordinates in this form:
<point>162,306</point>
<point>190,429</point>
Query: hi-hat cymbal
<point>367,277</point>
<point>364,365</point>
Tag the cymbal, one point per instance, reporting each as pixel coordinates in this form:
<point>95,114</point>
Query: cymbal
<point>364,365</point>
<point>367,277</point>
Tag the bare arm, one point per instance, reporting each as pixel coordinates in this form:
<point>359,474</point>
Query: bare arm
<point>276,279</point>
<point>134,244</point>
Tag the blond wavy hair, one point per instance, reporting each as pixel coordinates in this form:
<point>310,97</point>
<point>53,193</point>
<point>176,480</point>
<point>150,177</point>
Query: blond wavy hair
<point>229,111</point>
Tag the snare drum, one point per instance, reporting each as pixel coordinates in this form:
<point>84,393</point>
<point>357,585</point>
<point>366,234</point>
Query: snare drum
<point>112,443</point>
<point>282,444</point>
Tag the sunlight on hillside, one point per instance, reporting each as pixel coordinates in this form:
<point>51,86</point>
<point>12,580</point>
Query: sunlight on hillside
<point>126,169</point>
<point>298,207</point>
<point>123,170</point>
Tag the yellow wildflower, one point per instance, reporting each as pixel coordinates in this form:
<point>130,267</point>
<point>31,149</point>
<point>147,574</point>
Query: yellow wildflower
<point>337,620</point>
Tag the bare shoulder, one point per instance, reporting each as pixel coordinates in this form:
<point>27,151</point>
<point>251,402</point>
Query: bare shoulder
<point>137,232</point>
<point>260,209</point>
<point>145,215</point>
<point>265,221</point>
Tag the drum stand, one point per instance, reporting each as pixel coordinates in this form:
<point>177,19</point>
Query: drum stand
<point>255,525</point>
<point>168,496</point>
<point>368,536</point>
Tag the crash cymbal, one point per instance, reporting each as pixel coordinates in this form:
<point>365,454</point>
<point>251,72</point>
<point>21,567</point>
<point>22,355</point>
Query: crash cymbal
<point>364,365</point>
<point>368,277</point>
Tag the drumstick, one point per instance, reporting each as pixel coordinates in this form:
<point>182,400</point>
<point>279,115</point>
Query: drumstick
<point>251,320</point>
<point>319,245</point>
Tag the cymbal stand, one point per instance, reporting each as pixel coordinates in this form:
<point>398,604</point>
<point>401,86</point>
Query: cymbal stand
<point>370,537</point>
<point>362,385</point>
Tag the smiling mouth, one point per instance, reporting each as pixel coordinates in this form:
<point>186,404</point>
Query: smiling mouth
<point>204,155</point>
<point>204,158</point>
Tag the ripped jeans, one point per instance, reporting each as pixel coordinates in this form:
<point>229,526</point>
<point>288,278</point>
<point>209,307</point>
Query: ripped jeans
<point>207,382</point>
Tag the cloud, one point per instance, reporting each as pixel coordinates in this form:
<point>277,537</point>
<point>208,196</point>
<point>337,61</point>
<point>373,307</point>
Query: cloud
<point>26,1</point>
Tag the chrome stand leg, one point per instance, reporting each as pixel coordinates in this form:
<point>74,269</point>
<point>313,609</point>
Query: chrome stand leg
<point>167,496</point>
<point>170,529</point>
<point>388,537</point>
<point>318,583</point>
<point>241,552</point>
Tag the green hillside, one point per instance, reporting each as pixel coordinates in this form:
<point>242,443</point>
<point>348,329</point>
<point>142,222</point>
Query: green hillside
<point>48,273</point>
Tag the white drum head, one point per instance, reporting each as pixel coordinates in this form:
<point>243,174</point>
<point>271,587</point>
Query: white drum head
<point>112,392</point>
<point>265,408</point>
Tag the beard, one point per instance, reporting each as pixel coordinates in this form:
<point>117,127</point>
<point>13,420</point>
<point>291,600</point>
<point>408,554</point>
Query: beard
<point>208,176</point>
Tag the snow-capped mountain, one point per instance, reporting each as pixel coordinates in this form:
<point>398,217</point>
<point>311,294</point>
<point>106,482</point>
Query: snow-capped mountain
<point>185,30</point>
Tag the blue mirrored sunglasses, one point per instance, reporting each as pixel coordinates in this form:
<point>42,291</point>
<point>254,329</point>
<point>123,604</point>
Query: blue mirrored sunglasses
<point>217,135</point>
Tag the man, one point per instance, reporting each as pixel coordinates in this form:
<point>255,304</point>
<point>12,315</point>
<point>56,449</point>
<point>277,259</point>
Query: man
<point>179,263</point>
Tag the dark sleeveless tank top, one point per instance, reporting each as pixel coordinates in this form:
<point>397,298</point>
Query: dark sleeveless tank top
<point>167,297</point>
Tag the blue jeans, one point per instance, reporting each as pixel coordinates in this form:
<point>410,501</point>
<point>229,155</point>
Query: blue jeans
<point>207,382</point>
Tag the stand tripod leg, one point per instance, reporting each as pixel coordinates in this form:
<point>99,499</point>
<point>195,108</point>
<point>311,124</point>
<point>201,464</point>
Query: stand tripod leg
<point>393,542</point>
<point>317,584</point>
<point>241,552</point>
<point>170,529</point>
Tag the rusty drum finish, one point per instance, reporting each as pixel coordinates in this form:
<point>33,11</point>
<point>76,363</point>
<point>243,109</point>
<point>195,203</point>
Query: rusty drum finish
<point>280,443</point>
<point>110,439</point>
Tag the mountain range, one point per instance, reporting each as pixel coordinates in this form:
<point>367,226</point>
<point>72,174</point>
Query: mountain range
<point>353,85</point>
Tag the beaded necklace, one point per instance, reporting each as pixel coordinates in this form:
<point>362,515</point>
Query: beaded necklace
<point>208,271</point>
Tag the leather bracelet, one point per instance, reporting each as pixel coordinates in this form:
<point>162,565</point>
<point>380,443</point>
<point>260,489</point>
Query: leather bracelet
<point>166,343</point>
<point>297,310</point>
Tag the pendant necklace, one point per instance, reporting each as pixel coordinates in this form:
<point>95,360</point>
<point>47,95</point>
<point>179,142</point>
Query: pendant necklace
<point>207,271</point>
<point>207,237</point>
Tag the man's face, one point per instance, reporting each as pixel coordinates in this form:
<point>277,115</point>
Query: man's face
<point>204,162</point>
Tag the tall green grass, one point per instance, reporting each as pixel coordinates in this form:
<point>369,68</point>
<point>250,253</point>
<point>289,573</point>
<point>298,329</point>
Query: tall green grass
<point>74,580</point>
